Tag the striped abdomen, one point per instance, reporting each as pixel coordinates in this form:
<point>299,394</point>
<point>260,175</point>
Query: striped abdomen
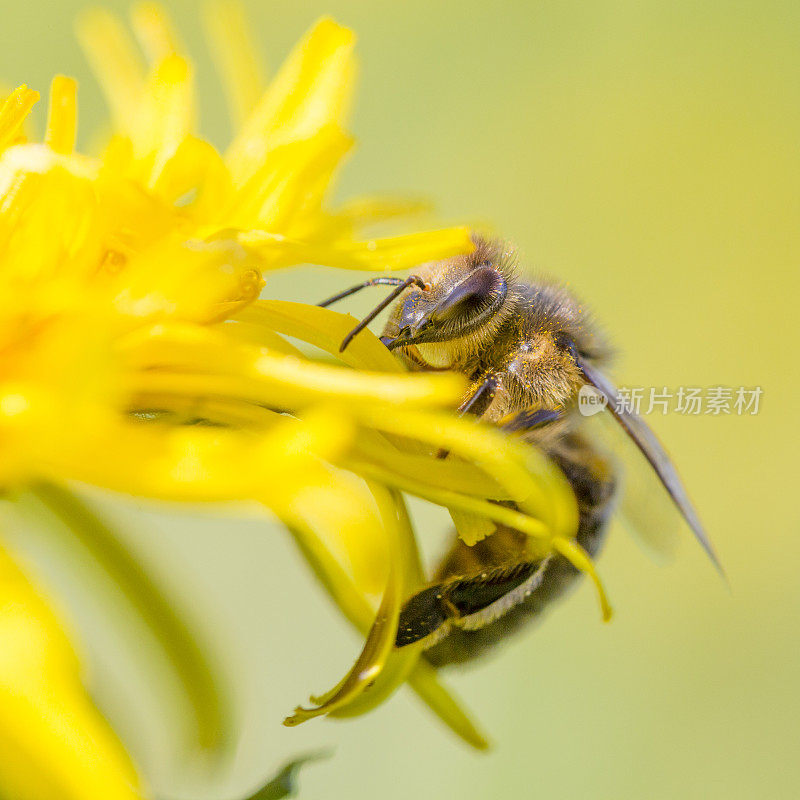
<point>482,593</point>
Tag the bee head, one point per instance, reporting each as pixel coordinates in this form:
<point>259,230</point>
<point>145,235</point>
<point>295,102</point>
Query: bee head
<point>457,305</point>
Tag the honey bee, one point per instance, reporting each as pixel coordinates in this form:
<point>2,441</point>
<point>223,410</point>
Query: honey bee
<point>527,349</point>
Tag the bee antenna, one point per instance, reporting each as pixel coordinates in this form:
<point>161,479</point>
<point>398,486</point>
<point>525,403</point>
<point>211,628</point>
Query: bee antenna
<point>411,280</point>
<point>358,287</point>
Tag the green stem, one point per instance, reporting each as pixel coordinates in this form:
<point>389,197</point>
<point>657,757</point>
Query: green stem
<point>190,662</point>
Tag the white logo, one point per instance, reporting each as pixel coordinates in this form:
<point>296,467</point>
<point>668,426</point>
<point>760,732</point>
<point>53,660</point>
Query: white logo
<point>590,401</point>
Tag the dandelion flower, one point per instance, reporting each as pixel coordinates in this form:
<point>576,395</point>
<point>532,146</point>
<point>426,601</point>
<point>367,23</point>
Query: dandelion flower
<point>139,357</point>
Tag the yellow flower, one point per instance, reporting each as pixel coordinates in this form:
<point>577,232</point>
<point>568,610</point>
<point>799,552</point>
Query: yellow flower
<point>137,357</point>
<point>52,740</point>
<point>269,187</point>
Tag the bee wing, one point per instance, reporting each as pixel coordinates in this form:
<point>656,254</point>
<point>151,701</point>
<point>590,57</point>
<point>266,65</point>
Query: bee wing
<point>649,446</point>
<point>645,509</point>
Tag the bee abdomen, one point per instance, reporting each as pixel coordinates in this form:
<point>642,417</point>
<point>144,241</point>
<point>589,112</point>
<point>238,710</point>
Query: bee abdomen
<point>594,484</point>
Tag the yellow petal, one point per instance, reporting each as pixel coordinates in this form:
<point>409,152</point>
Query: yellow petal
<point>310,91</point>
<point>580,559</point>
<point>425,682</point>
<point>400,663</point>
<point>184,280</point>
<point>154,31</point>
<point>167,114</point>
<point>374,210</point>
<point>313,538</point>
<point>192,664</point>
<point>201,465</point>
<point>285,194</point>
<point>195,178</point>
<point>62,115</point>
<point>471,527</point>
<point>390,253</point>
<point>356,609</point>
<point>116,65</point>
<point>324,329</point>
<point>185,360</point>
<point>54,742</point>
<point>369,667</point>
<point>532,481</point>
<point>14,112</point>
<point>260,336</point>
<point>370,662</point>
<point>38,186</point>
<point>451,499</point>
<point>238,62</point>
<point>451,474</point>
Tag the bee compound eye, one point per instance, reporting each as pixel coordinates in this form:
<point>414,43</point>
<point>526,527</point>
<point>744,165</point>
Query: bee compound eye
<point>564,341</point>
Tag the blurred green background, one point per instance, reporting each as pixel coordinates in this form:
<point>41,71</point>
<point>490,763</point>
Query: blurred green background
<point>649,154</point>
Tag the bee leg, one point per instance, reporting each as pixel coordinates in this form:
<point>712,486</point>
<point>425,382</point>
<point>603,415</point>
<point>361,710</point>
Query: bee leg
<point>529,419</point>
<point>424,615</point>
<point>469,602</point>
<point>478,401</point>
<point>467,578</point>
